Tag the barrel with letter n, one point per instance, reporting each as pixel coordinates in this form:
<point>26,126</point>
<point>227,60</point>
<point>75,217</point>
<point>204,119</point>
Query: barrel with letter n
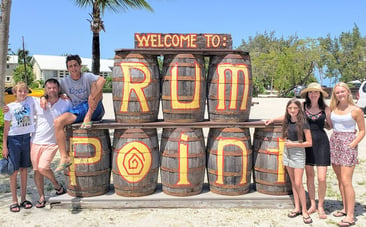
<point>183,161</point>
<point>229,162</point>
<point>135,87</point>
<point>135,163</point>
<point>183,88</point>
<point>270,176</point>
<point>229,87</point>
<point>90,153</point>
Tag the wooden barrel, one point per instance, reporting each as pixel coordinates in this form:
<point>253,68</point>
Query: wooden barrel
<point>183,161</point>
<point>270,175</point>
<point>229,162</point>
<point>183,88</point>
<point>135,87</point>
<point>135,162</point>
<point>90,153</point>
<point>229,88</point>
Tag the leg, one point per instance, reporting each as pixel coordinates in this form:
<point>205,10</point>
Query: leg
<point>39,180</point>
<point>290,172</point>
<point>298,174</point>
<point>13,186</point>
<point>349,192</point>
<point>309,170</point>
<point>93,102</point>
<point>23,185</point>
<point>337,171</point>
<point>60,123</point>
<point>51,176</point>
<point>322,187</point>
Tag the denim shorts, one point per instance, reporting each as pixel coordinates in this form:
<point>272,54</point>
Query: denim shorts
<point>81,110</point>
<point>19,150</point>
<point>294,157</point>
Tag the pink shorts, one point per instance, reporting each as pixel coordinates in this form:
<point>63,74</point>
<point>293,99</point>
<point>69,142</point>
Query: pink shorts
<point>42,155</point>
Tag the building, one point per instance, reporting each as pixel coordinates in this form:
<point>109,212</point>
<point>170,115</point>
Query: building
<point>11,65</point>
<point>48,66</point>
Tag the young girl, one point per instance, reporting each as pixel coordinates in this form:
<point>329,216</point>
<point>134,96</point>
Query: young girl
<point>18,125</point>
<point>294,129</point>
<point>346,118</point>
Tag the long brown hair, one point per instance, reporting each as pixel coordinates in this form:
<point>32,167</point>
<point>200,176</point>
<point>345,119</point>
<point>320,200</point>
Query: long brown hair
<point>300,120</point>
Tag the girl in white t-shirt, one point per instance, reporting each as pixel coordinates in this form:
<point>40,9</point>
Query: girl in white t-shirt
<point>18,125</point>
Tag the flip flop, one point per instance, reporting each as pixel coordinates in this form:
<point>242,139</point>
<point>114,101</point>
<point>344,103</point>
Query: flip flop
<point>26,204</point>
<point>346,223</point>
<point>294,214</point>
<point>41,204</point>
<point>86,125</point>
<point>14,207</point>
<point>339,213</point>
<point>61,190</point>
<point>62,167</point>
<point>307,220</point>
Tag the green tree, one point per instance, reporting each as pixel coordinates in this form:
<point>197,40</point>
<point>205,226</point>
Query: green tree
<point>20,74</point>
<point>96,22</point>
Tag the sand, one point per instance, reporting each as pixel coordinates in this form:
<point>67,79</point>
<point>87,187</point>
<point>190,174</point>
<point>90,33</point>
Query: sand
<point>267,108</point>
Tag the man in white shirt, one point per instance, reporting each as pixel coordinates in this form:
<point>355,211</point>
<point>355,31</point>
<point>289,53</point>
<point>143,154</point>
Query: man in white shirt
<point>43,144</point>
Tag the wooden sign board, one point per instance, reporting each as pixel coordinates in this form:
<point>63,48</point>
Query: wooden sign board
<point>182,41</point>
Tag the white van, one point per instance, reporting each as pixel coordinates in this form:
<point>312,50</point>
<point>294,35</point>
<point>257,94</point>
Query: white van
<point>361,97</point>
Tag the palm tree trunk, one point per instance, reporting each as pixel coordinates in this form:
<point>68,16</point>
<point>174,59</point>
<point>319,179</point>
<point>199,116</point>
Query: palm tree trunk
<point>96,54</point>
<point>4,40</point>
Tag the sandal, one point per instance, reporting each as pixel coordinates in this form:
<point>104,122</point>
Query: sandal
<point>294,214</point>
<point>86,125</point>
<point>26,204</point>
<point>14,207</point>
<point>339,213</point>
<point>307,220</point>
<point>41,204</point>
<point>62,167</point>
<point>61,190</point>
<point>346,223</point>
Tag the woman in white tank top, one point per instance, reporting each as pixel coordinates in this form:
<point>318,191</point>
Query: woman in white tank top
<point>345,117</point>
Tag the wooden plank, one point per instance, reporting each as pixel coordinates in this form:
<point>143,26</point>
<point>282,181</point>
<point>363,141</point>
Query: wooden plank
<point>158,52</point>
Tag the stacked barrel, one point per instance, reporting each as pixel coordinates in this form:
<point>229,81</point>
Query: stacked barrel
<point>183,86</point>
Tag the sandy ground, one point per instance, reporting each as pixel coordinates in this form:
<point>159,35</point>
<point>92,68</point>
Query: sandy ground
<point>267,108</point>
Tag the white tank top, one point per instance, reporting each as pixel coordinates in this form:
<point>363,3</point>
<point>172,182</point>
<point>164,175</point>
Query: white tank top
<point>343,123</point>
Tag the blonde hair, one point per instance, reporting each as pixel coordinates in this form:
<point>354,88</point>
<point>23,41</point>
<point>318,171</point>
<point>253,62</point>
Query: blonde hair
<point>334,102</point>
<point>18,86</point>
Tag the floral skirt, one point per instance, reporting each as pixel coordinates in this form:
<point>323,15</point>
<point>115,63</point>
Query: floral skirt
<point>340,151</point>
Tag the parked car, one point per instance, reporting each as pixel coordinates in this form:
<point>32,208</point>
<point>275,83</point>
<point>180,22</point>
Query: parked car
<point>297,90</point>
<point>361,97</point>
<point>10,97</point>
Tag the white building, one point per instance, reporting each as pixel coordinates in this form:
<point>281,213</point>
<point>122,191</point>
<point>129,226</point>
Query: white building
<point>48,66</point>
<point>11,64</point>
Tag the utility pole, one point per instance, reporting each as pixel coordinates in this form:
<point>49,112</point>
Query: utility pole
<point>25,64</point>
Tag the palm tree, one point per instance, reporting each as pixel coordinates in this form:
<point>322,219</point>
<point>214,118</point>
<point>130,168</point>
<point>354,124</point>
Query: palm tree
<point>4,40</point>
<point>96,22</point>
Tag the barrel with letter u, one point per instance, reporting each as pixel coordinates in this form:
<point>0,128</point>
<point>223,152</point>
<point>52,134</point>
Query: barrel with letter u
<point>229,162</point>
<point>183,88</point>
<point>270,176</point>
<point>229,87</point>
<point>135,87</point>
<point>90,153</point>
<point>135,162</point>
<point>183,161</point>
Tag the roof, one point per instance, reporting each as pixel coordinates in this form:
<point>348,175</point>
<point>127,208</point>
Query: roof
<point>50,62</point>
<point>12,59</point>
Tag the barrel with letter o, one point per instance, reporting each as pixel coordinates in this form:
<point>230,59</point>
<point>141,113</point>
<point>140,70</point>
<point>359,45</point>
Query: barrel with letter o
<point>135,163</point>
<point>90,153</point>
<point>135,87</point>
<point>229,87</point>
<point>270,176</point>
<point>183,161</point>
<point>183,88</point>
<point>229,162</point>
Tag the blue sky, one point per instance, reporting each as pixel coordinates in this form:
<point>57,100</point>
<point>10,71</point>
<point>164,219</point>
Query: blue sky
<point>59,27</point>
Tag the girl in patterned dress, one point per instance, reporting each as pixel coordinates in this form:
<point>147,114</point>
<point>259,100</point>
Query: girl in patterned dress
<point>345,117</point>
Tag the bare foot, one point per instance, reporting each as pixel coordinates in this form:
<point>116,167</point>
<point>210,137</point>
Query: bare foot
<point>311,210</point>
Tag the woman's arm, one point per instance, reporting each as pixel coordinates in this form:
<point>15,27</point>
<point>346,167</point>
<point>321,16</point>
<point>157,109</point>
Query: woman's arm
<point>357,115</point>
<point>328,121</point>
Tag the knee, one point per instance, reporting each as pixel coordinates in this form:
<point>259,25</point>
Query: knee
<point>43,170</point>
